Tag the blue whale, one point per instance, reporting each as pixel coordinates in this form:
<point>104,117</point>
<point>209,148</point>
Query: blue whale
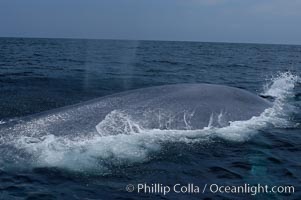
<point>176,107</point>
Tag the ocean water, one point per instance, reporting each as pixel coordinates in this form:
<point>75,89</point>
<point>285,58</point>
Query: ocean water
<point>42,74</point>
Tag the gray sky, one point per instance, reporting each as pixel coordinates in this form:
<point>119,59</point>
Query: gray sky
<point>255,21</point>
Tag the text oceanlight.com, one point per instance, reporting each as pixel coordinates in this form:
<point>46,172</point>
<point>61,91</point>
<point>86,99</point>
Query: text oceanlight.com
<point>190,188</point>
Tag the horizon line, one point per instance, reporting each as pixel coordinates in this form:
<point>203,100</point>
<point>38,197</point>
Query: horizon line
<point>151,40</point>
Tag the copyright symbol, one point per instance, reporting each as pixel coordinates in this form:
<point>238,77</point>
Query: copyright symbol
<point>130,188</point>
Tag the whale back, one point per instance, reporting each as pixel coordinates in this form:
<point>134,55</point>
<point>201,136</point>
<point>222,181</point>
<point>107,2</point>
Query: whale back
<point>182,106</point>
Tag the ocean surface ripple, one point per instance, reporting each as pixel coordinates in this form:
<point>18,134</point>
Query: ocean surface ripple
<point>43,74</point>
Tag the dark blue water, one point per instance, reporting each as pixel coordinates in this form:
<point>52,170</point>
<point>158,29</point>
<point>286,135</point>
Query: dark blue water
<point>42,74</point>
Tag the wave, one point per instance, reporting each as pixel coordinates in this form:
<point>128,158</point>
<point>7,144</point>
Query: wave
<point>281,86</point>
<point>134,144</point>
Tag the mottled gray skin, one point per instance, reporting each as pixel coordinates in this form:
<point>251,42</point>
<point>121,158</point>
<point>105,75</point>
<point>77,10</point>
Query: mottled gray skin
<point>182,106</point>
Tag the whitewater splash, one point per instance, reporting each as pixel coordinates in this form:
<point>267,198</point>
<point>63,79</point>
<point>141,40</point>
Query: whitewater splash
<point>134,144</point>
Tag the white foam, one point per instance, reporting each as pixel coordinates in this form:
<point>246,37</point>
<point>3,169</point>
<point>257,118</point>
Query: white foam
<point>281,86</point>
<point>133,144</point>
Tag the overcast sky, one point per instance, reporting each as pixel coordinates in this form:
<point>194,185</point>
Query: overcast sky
<point>255,21</point>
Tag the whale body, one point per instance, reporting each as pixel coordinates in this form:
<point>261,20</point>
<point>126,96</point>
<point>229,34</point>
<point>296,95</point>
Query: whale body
<point>177,107</point>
